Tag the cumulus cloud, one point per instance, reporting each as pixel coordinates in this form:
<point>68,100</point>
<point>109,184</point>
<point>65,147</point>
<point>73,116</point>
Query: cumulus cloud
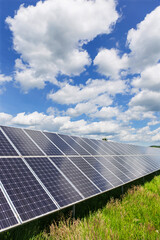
<point>109,62</point>
<point>149,100</point>
<point>3,80</point>
<point>144,42</point>
<point>70,94</point>
<point>106,113</point>
<point>49,37</point>
<point>150,79</point>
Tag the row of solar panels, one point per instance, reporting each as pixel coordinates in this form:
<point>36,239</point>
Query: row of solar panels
<point>36,143</point>
<point>38,176</point>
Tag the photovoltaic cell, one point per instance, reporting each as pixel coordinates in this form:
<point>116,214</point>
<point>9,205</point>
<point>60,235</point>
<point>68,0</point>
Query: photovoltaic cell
<point>111,166</point>
<point>102,183</point>
<point>64,147</point>
<point>22,142</point>
<point>75,176</point>
<point>7,218</point>
<point>74,144</point>
<point>27,195</point>
<point>43,143</point>
<point>57,185</point>
<point>105,147</point>
<point>6,148</point>
<point>95,146</point>
<point>85,146</point>
<point>111,177</point>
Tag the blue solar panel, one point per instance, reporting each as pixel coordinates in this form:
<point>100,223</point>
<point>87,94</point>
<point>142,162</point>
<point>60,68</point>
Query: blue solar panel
<point>91,150</point>
<point>54,181</point>
<point>6,148</point>
<point>56,171</point>
<point>22,142</point>
<point>100,181</point>
<point>75,176</point>
<point>7,218</point>
<point>74,144</point>
<point>43,143</point>
<point>107,161</point>
<point>27,195</point>
<point>96,147</point>
<point>63,146</point>
<point>110,176</point>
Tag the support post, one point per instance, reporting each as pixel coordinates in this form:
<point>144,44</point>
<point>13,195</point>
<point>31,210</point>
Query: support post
<point>122,189</point>
<point>143,180</point>
<point>74,211</point>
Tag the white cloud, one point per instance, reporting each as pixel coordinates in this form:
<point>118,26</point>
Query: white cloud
<point>150,79</point>
<point>149,100</point>
<point>5,118</point>
<point>110,63</point>
<point>4,79</point>
<point>138,113</point>
<point>106,113</point>
<point>50,35</point>
<point>70,94</point>
<point>144,42</point>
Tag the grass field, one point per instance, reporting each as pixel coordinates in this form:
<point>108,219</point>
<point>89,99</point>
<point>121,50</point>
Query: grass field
<point>135,215</point>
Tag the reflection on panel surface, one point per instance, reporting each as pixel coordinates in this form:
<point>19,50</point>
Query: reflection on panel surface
<point>63,146</point>
<point>43,143</point>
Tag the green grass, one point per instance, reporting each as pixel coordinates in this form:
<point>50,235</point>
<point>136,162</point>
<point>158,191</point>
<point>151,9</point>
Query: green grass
<point>136,215</point>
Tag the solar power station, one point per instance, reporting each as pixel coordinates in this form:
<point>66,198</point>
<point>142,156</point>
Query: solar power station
<point>42,172</point>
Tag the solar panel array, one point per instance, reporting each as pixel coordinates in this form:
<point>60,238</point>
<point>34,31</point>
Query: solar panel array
<point>42,172</point>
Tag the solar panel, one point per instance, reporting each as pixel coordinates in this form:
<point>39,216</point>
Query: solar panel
<point>74,144</point>
<point>89,149</point>
<point>81,182</point>
<point>43,143</point>
<point>62,191</point>
<point>27,195</point>
<point>94,175</point>
<point>22,142</point>
<point>7,217</point>
<point>43,172</point>
<point>6,148</point>
<point>62,145</point>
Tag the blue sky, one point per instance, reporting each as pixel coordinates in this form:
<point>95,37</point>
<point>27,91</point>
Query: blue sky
<point>88,68</point>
